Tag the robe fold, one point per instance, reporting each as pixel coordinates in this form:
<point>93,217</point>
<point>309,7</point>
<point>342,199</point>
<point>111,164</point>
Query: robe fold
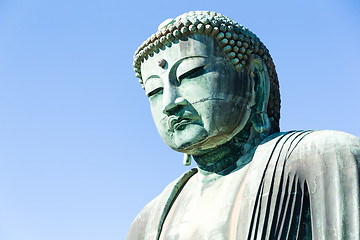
<point>297,185</point>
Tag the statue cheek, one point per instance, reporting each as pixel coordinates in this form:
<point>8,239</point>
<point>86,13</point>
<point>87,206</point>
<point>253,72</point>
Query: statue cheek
<point>156,106</point>
<point>163,130</point>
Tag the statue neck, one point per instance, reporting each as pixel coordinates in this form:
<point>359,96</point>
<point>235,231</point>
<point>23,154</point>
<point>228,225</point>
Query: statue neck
<point>223,157</point>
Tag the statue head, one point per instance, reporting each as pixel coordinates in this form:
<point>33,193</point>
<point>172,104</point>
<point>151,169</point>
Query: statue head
<point>208,79</point>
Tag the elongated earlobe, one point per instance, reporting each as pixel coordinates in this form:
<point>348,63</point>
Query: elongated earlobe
<point>259,75</point>
<point>261,122</point>
<point>187,159</point>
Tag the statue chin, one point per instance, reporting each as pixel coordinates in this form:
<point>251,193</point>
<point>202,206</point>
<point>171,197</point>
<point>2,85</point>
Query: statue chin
<point>188,140</point>
<point>195,140</point>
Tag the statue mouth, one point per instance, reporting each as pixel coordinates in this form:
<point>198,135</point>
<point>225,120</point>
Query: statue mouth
<point>179,122</point>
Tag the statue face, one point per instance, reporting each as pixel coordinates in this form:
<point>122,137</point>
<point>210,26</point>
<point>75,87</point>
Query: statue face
<point>197,98</point>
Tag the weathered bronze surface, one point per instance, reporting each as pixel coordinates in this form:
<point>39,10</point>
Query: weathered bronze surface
<point>214,95</point>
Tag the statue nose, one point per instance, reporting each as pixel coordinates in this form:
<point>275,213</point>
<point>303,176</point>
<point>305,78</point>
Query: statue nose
<point>175,106</point>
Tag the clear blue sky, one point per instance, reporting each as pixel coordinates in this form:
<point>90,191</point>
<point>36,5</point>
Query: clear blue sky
<point>79,153</point>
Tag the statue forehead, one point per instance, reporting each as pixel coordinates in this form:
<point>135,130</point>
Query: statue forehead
<point>192,46</point>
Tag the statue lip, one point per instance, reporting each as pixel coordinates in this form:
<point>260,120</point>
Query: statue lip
<point>176,122</point>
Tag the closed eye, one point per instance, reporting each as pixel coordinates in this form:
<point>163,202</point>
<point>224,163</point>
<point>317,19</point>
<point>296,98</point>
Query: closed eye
<point>155,91</point>
<point>195,72</point>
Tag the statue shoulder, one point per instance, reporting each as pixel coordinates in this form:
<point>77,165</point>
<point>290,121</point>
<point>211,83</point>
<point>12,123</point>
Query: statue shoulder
<point>326,138</point>
<point>324,150</point>
<point>323,142</point>
<point>148,221</point>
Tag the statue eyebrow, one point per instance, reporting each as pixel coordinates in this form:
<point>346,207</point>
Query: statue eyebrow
<point>177,62</point>
<point>181,69</point>
<point>207,58</point>
<point>176,65</point>
<point>152,76</point>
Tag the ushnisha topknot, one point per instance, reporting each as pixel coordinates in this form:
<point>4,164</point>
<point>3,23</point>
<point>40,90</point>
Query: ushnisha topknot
<point>236,41</point>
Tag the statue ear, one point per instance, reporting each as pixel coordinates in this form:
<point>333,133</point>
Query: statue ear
<point>258,73</point>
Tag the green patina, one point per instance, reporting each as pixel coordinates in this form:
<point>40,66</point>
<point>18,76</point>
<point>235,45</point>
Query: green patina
<point>214,95</point>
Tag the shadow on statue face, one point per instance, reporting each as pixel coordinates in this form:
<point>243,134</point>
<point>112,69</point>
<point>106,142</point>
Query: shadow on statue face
<point>197,98</point>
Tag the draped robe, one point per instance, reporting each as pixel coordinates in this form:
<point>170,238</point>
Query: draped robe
<point>295,185</point>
